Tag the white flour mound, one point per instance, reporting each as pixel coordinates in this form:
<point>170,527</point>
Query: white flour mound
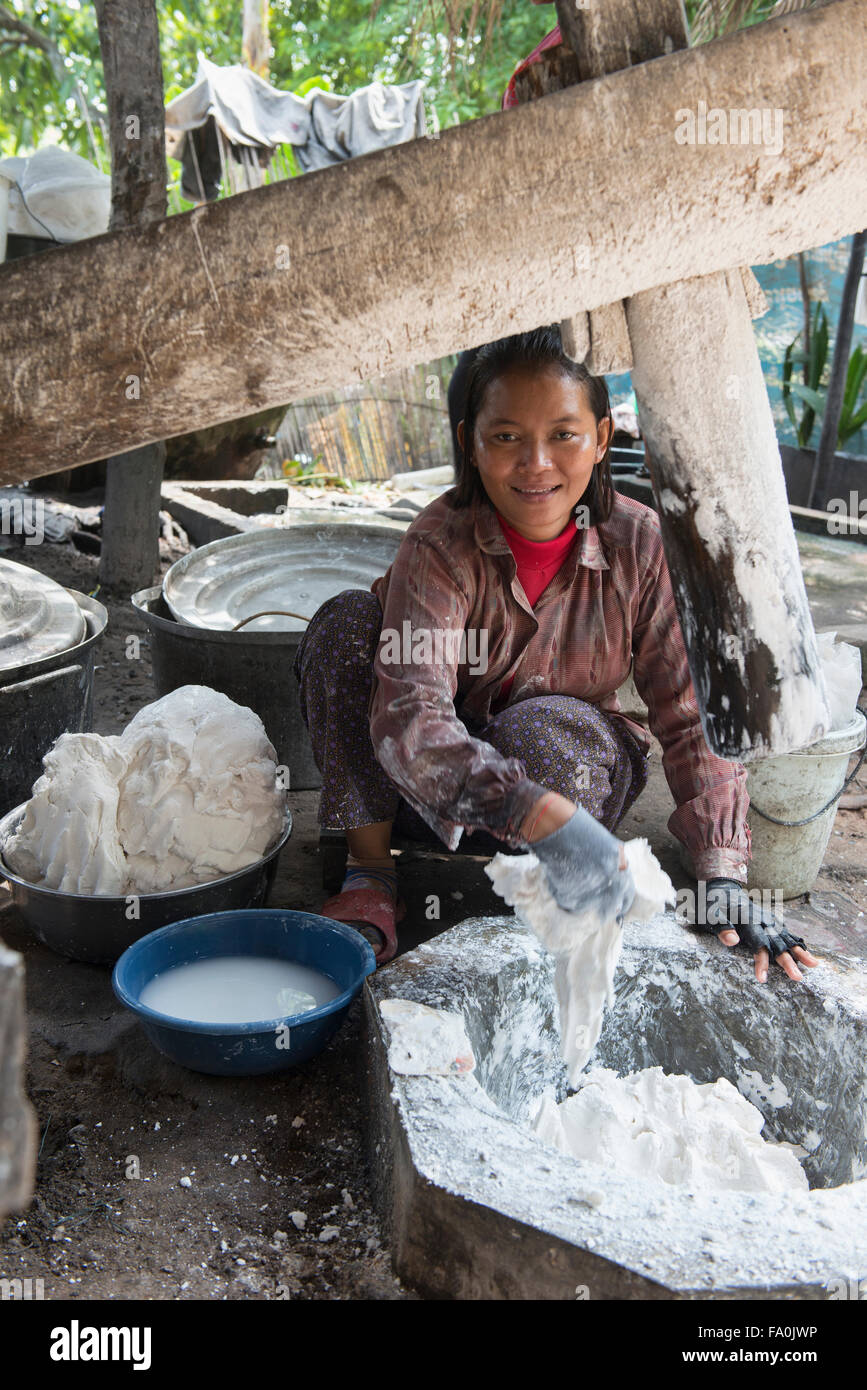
<point>586,948</point>
<point>647,1124</point>
<point>670,1129</point>
<point>186,794</point>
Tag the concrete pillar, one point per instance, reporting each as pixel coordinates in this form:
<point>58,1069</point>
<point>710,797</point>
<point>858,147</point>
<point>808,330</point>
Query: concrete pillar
<point>726,527</point>
<point>713,458</point>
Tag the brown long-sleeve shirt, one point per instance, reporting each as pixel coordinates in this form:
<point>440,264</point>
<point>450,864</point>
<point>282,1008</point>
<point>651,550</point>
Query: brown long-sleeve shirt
<point>608,609</point>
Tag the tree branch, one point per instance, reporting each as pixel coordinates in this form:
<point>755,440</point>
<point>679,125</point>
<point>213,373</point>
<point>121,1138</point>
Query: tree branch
<point>27,35</point>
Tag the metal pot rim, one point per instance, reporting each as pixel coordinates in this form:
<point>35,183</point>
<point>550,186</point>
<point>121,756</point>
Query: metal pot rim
<point>96,617</point>
<point>144,598</point>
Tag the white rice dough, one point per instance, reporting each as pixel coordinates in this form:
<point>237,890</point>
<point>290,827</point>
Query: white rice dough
<point>647,1124</point>
<point>668,1128</point>
<point>586,948</point>
<point>186,794</point>
<point>426,1041</point>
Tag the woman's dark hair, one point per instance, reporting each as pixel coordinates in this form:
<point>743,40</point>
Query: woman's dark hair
<point>539,349</point>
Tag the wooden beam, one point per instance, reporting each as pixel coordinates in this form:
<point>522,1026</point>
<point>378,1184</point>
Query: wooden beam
<point>415,251</point>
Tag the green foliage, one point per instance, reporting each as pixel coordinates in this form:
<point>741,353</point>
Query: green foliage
<point>465,51</point>
<point>45,78</point>
<point>710,19</point>
<point>814,361</point>
<point>336,44</point>
<point>853,417</point>
<point>813,393</point>
<point>304,471</point>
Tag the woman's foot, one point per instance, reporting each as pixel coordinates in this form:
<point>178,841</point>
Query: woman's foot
<point>371,873</point>
<point>368,902</point>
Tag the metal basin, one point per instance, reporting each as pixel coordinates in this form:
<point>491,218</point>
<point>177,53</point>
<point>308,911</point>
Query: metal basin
<point>99,928</point>
<point>254,665</point>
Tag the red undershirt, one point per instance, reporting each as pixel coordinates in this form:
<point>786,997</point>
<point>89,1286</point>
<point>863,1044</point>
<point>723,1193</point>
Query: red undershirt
<point>537,563</point>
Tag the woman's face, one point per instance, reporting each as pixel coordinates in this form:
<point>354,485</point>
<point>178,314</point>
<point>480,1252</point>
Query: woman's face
<point>536,444</point>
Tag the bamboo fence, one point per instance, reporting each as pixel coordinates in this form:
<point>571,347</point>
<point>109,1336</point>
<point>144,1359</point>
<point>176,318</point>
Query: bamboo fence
<point>372,430</point>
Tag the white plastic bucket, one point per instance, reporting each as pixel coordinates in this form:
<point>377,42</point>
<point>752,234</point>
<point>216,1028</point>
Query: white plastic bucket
<point>787,858</point>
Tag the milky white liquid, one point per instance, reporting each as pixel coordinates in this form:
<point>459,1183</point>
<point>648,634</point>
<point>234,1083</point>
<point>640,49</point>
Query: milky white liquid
<point>238,989</point>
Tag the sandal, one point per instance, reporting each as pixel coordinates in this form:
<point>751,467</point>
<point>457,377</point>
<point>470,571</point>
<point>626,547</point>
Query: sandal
<point>366,909</point>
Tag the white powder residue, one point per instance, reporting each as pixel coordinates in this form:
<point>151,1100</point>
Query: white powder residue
<point>670,1129</point>
<point>425,1041</point>
<point>753,1085</point>
<point>586,947</point>
<point>186,794</point>
<point>671,502</point>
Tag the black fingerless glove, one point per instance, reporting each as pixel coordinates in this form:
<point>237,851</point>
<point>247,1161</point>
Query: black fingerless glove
<point>729,905</point>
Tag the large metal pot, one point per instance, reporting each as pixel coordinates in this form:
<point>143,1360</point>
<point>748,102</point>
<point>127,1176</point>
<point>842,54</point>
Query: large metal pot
<point>252,668</point>
<point>41,700</point>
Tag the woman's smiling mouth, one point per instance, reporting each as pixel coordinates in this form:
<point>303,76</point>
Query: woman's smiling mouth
<point>536,494</point>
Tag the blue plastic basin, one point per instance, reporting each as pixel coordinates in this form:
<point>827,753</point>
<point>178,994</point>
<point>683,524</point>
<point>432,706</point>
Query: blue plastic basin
<point>264,1045</point>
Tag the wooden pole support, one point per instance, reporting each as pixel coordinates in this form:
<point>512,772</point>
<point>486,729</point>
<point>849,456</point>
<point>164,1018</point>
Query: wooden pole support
<point>728,536</point>
<point>597,43</point>
<point>713,458</point>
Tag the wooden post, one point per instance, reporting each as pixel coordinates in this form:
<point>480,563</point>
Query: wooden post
<point>714,461</point>
<point>600,338</point>
<point>731,549</point>
<point>130,46</point>
<point>131,524</point>
<point>18,1130</point>
<point>255,47</point>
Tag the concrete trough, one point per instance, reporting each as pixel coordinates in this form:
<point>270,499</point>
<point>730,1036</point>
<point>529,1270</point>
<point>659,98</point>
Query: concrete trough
<point>478,1208</point>
<point>208,511</point>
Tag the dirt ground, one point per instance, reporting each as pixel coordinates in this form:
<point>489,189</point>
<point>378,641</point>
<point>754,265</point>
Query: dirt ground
<point>158,1183</point>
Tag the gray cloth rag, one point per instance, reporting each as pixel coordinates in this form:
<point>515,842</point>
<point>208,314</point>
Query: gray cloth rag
<point>323,128</point>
